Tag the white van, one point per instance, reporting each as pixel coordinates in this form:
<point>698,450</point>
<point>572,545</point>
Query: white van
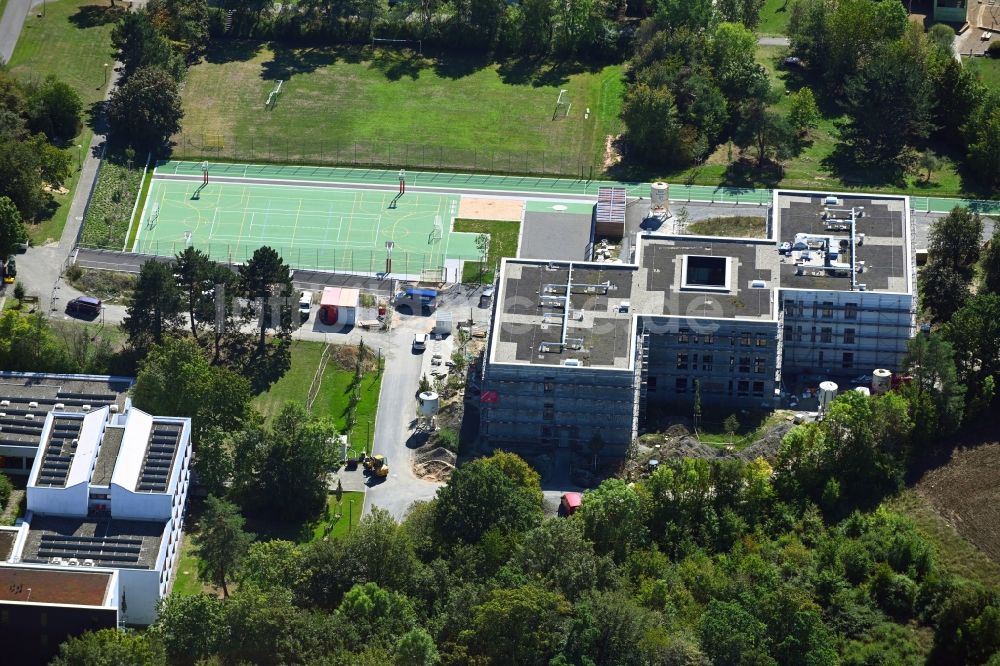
<point>305,303</point>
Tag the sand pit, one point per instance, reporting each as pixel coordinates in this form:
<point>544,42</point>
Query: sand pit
<point>472,208</point>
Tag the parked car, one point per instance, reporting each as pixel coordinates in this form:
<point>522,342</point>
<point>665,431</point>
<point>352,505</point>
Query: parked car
<point>84,306</point>
<point>569,503</point>
<point>792,61</point>
<point>305,304</point>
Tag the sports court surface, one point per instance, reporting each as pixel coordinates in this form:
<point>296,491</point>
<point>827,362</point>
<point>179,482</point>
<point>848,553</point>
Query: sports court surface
<point>311,226</point>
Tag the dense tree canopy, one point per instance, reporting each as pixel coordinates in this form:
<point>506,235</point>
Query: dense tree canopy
<point>145,111</point>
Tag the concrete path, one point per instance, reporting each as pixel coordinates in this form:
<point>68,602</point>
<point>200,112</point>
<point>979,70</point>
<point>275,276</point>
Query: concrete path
<point>774,41</point>
<point>10,26</point>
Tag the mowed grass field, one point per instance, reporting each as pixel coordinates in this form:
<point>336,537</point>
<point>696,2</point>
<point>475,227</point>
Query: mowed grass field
<point>391,104</point>
<point>73,41</point>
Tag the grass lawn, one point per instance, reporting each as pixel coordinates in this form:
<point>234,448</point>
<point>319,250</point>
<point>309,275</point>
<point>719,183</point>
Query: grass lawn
<point>956,553</point>
<point>186,583</point>
<point>987,68</point>
<point>392,107</point>
<point>774,17</point>
<point>504,235</point>
<point>72,41</point>
<point>109,215</point>
<point>333,398</point>
<point>736,226</point>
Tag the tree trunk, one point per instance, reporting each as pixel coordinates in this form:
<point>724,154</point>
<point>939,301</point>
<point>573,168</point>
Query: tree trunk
<point>194,325</point>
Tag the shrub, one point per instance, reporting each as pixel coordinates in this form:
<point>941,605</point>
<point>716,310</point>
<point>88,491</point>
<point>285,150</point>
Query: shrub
<point>6,488</point>
<point>994,50</point>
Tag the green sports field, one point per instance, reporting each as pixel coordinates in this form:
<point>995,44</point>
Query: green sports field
<point>312,227</point>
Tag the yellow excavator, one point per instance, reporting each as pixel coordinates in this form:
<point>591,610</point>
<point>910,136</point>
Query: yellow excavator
<point>377,465</point>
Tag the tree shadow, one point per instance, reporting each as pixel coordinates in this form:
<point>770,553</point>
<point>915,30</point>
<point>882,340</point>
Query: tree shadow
<point>266,368</point>
<point>96,118</point>
<point>221,51</point>
<point>288,61</point>
<point>455,65</point>
<point>843,164</point>
<point>396,64</point>
<point>91,16</point>
<point>539,72</point>
<point>745,172</point>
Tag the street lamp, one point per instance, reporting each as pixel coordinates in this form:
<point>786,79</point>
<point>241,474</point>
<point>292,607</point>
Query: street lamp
<point>350,517</point>
<point>105,73</point>
<point>79,162</point>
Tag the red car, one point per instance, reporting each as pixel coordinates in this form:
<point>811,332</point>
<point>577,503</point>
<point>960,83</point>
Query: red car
<point>570,503</point>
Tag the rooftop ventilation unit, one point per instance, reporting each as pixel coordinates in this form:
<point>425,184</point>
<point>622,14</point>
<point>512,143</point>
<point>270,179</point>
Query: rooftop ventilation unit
<point>86,408</point>
<point>573,362</point>
<point>33,404</point>
<point>30,417</point>
<point>55,560</point>
<point>59,406</point>
<point>73,562</point>
<point>757,284</point>
<point>114,409</point>
<point>88,563</point>
<point>5,403</point>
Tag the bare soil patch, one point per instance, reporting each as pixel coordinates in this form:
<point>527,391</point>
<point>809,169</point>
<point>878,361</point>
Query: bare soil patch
<point>507,210</point>
<point>966,494</point>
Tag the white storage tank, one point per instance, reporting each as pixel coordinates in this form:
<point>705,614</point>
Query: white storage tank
<point>881,381</point>
<point>428,403</point>
<point>827,392</point>
<point>659,195</point>
<point>863,390</point>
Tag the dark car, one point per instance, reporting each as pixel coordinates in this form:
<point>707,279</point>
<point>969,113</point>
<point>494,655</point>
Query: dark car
<point>792,61</point>
<point>84,306</point>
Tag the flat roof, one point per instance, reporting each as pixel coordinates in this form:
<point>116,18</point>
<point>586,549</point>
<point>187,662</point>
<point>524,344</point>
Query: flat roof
<point>561,236</point>
<point>531,314</point>
<point>342,297</point>
<point>111,445</point>
<point>48,390</point>
<point>148,452</point>
<point>55,586</point>
<point>667,284</point>
<point>884,250</point>
<point>114,543</point>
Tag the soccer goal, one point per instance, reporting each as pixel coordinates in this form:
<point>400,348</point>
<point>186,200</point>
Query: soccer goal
<point>154,215</point>
<point>562,105</point>
<point>412,44</point>
<point>272,98</point>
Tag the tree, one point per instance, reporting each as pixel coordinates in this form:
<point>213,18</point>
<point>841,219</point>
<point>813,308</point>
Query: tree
<point>300,455</point>
<point>266,282</point>
<point>974,333</point>
<point>194,273</point>
<point>175,379</point>
<point>139,44</point>
<point>520,627</point>
<point>731,634</point>
<point>930,162</point>
<point>375,614</point>
<point>650,118</point>
<point>943,289</point>
<point>935,396</point>
<point>480,497</point>
<point>110,647</point>
<point>273,564</point>
<point>483,245</point>
<point>955,238</point>
<point>731,425</point>
<point>222,543</point>
<point>12,230</point>
<point>154,309</point>
<point>214,463</point>
<point>54,109</point>
<point>891,79</point>
<point>982,138</point>
<point>991,263</point>
<point>20,176</point>
<point>145,111</point>
<point>612,628</point>
<point>693,14</point>
<point>53,163</point>
<point>190,627</point>
<point>556,554</point>
<point>746,12</point>
<point>184,21</point>
<point>416,648</point>
<point>518,471</point>
<point>803,114</point>
<point>614,518</point>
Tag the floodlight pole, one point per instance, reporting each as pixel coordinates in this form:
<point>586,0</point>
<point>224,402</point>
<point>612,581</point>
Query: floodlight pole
<point>79,162</point>
<point>105,74</point>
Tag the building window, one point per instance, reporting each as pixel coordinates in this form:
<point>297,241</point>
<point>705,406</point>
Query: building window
<point>850,311</point>
<point>549,384</point>
<point>744,364</point>
<point>742,388</point>
<point>732,363</point>
<point>848,360</point>
<point>826,335</point>
<point>761,341</point>
<point>683,337</point>
<point>745,339</point>
<point>790,306</point>
<point>682,361</point>
<point>549,411</point>
<point>681,385</point>
<point>827,309</point>
<point>758,389</point>
<point>709,339</point>
<point>848,336</point>
<point>759,365</point>
<point>706,362</point>
<point>651,383</point>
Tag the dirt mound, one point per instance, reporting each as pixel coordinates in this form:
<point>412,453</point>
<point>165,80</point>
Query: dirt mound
<point>434,463</point>
<point>768,446</point>
<point>436,453</point>
<point>966,494</point>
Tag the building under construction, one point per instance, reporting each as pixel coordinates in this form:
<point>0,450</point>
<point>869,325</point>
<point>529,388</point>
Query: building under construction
<point>578,350</point>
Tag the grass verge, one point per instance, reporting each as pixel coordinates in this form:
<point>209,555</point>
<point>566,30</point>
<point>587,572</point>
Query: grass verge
<point>109,215</point>
<point>294,384</point>
<point>109,286</point>
<point>774,17</point>
<point>736,226</point>
<point>503,236</point>
<point>988,70</point>
<point>137,218</point>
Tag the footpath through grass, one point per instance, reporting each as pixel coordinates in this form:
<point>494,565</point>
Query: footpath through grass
<point>349,104</point>
<point>503,243</point>
<point>73,41</point>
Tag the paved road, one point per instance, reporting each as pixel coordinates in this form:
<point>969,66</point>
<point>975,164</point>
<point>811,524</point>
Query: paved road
<point>774,41</point>
<point>11,24</point>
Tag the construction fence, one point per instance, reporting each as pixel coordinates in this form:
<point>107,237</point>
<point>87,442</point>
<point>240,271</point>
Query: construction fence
<point>379,153</point>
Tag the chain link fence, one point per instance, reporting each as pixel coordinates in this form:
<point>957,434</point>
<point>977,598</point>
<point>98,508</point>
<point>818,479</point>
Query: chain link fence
<point>378,153</point>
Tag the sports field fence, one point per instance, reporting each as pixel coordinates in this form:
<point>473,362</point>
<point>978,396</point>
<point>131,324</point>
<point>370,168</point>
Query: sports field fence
<point>378,153</point>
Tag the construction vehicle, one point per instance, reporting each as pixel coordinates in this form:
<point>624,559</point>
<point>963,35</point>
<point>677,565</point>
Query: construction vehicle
<point>377,465</point>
